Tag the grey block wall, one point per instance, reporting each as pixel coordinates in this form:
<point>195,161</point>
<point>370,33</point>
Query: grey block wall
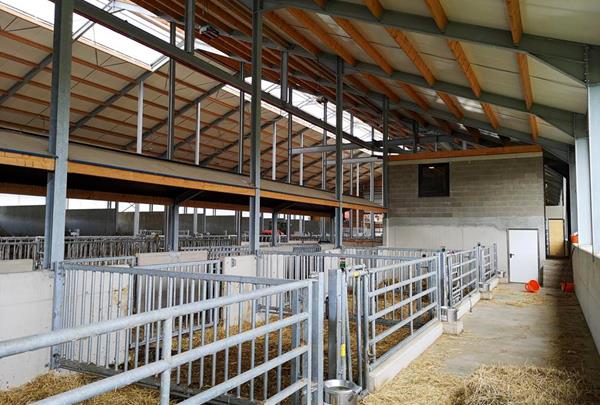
<point>487,197</point>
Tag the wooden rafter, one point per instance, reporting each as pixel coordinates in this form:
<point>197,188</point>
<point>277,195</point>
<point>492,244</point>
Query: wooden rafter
<point>374,7</point>
<point>452,105</point>
<point>465,65</point>
<point>516,24</point>
<point>406,45</point>
<point>417,98</point>
<point>535,131</point>
<point>438,13</point>
<point>316,28</point>
<point>281,24</point>
<point>364,44</point>
<point>491,115</point>
<point>525,79</point>
<point>445,125</point>
<point>381,86</point>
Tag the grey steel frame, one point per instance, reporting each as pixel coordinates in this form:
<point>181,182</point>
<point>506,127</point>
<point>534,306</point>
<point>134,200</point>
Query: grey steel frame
<point>300,318</point>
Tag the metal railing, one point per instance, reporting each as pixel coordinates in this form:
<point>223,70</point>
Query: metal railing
<point>15,248</point>
<point>217,252</point>
<point>397,301</point>
<point>224,359</point>
<point>199,241</point>
<point>461,276</point>
<point>488,262</point>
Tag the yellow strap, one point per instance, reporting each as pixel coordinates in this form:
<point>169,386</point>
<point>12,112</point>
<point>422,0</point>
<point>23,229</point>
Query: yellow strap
<point>343,350</point>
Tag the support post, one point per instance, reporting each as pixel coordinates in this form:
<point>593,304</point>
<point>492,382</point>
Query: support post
<point>195,222</point>
<point>274,229</point>
<point>572,192</point>
<point>190,16</point>
<point>171,95</point>
<point>323,169</point>
<point>240,166</point>
<point>172,228</point>
<point>138,148</point>
<point>255,110</point>
<point>58,143</point>
<point>594,153</point>
<point>198,134</point>
<point>274,153</point>
<point>385,185</point>
<point>339,128</point>
<point>584,204</point>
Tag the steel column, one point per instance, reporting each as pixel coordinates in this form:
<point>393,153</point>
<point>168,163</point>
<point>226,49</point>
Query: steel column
<point>584,201</point>
<point>171,95</point>
<point>339,128</point>
<point>255,110</point>
<point>58,143</point>
<point>385,175</point>
<point>274,230</point>
<point>572,192</point>
<point>189,22</point>
<point>138,148</point>
<point>240,166</point>
<point>274,153</point>
<point>198,133</point>
<point>594,146</point>
<point>322,228</point>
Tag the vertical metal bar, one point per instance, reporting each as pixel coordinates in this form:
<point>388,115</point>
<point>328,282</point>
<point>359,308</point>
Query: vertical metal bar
<point>198,134</point>
<point>190,17</point>
<point>57,308</point>
<point>171,95</point>
<point>274,229</point>
<point>351,180</point>
<point>274,153</point>
<point>584,199</point>
<point>255,116</point>
<point>333,343</point>
<point>317,316</point>
<point>323,168</point>
<point>165,377</point>
<point>385,174</point>
<point>58,144</point>
<point>339,130</point>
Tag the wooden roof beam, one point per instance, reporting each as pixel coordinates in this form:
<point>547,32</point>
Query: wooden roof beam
<point>516,24</point>
<point>491,115</point>
<point>364,44</point>
<point>438,13</point>
<point>315,27</point>
<point>452,105</point>
<point>535,131</point>
<point>465,65</point>
<point>525,79</point>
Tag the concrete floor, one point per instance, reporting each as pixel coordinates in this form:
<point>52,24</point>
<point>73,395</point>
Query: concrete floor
<point>515,328</point>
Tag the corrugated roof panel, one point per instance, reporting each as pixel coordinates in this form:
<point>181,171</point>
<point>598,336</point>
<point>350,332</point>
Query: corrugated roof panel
<point>550,132</point>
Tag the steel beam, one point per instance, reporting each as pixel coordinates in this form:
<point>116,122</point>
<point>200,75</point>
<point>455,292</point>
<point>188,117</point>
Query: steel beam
<point>565,56</point>
<point>339,123</point>
<point>255,121</point>
<point>355,160</point>
<point>14,89</point>
<point>138,34</point>
<point>58,143</point>
<point>560,118</point>
<point>572,182</point>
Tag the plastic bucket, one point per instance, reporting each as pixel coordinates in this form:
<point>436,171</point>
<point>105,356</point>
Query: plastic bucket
<point>532,286</point>
<point>341,392</point>
<point>567,287</point>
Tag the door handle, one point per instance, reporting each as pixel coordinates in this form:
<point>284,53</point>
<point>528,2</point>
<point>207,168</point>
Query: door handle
<point>510,255</point>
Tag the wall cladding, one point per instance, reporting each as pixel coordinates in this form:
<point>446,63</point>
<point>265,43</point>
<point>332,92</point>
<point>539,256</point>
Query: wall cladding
<point>487,197</point>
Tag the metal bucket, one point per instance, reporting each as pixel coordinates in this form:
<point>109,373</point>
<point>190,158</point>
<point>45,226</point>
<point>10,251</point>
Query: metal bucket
<point>341,392</point>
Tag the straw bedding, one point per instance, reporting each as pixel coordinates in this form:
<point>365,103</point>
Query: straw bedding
<point>54,383</point>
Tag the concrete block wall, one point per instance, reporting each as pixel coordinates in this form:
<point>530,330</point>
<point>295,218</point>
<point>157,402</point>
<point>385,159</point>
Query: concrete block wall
<point>487,197</point>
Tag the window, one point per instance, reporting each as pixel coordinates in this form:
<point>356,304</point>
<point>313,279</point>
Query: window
<point>434,180</point>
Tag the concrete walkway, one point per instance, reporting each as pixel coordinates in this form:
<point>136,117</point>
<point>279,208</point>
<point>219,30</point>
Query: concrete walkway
<point>515,328</point>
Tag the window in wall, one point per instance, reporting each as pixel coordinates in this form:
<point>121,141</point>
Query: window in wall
<point>434,180</point>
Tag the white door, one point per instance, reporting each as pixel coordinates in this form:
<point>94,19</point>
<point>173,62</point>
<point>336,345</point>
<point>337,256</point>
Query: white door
<point>522,255</point>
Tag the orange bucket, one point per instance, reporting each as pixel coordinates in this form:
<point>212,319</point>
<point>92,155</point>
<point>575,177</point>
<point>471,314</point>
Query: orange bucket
<point>532,286</point>
<point>575,238</point>
<point>567,287</point>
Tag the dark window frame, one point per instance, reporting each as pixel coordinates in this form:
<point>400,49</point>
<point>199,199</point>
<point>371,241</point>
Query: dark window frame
<point>445,191</point>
